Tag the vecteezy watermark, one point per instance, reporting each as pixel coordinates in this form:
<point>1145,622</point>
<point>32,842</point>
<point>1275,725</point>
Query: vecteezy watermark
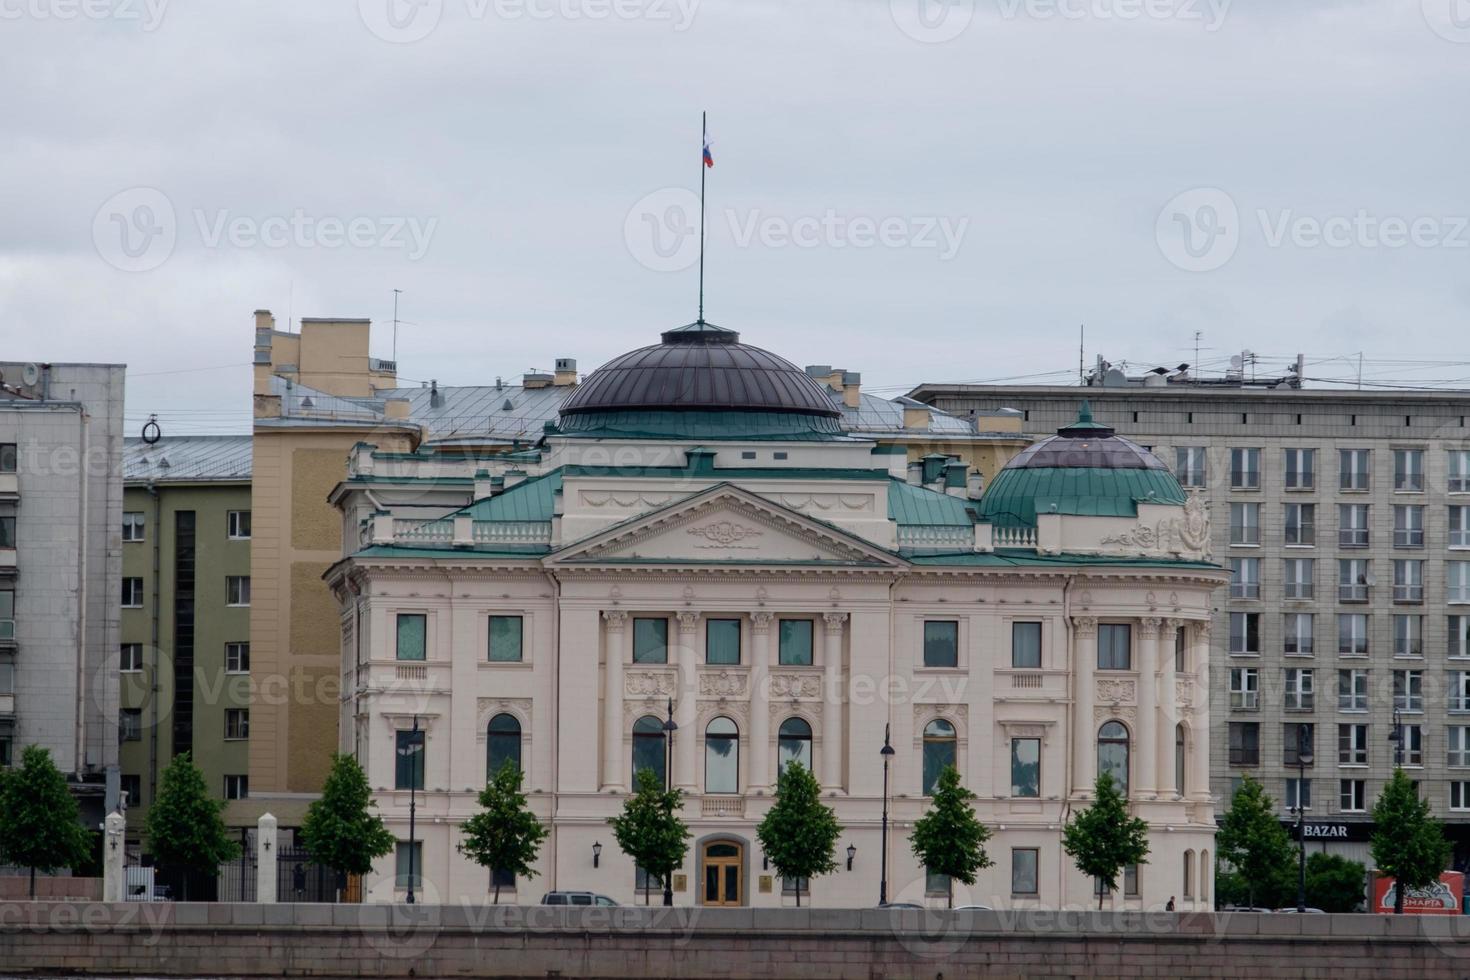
<point>406,21</point>
<point>1201,229</point>
<point>136,230</point>
<point>661,230</point>
<point>932,21</point>
<point>147,13</point>
<point>1208,13</point>
<point>1450,19</point>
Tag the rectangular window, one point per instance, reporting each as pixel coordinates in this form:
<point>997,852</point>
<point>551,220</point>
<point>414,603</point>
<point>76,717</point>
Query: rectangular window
<point>7,532</point>
<point>1245,578</point>
<point>237,525</point>
<point>408,771</point>
<point>1408,525</point>
<point>1352,795</point>
<point>1026,646</point>
<point>7,457</point>
<point>1114,646</point>
<point>132,658</point>
<point>237,658</point>
<point>1023,870</point>
<point>795,642</point>
<point>413,631</point>
<point>130,726</point>
<point>1292,741</point>
<point>1408,470</point>
<point>1460,794</point>
<point>1458,627</point>
<point>1352,580</point>
<point>1190,465</point>
<point>1408,580</point>
<point>132,789</point>
<point>237,590</point>
<point>1457,581</point>
<point>1299,577</point>
<point>1245,634</point>
<point>237,787</point>
<point>1301,469</point>
<point>132,593</point>
<point>1408,636</point>
<point>237,724</point>
<point>1408,690</point>
<point>1352,469</point>
<point>1245,688</point>
<point>1026,767</point>
<point>7,673</point>
<point>1459,745</point>
<point>1352,525</point>
<point>1298,793</point>
<point>409,865</point>
<point>1352,745</point>
<point>1245,743</point>
<point>1352,690</point>
<point>941,643</point>
<point>650,641</point>
<point>722,641</point>
<point>1300,688</point>
<point>505,639</point>
<point>1459,470</point>
<point>1459,521</point>
<point>133,522</point>
<point>1245,469</point>
<point>1245,524</point>
<point>1352,634</point>
<point>7,614</point>
<point>1301,524</point>
<point>1459,690</point>
<point>1413,745</point>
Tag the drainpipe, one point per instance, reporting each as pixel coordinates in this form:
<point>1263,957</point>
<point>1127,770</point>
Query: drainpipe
<point>157,656</point>
<point>1067,764</point>
<point>555,720</point>
<point>81,683</point>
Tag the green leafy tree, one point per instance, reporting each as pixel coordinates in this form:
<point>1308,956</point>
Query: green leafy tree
<point>1103,839</point>
<point>949,839</point>
<point>505,835</point>
<point>185,832</point>
<point>649,829</point>
<point>799,833</point>
<point>1408,844</point>
<point>340,830</point>
<point>1253,842</point>
<point>1334,883</point>
<point>40,825</point>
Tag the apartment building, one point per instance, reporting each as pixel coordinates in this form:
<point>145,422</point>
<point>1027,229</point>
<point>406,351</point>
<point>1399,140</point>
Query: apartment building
<point>1344,518</point>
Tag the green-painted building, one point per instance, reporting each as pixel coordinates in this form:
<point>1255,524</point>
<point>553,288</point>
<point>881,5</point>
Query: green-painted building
<point>185,653</point>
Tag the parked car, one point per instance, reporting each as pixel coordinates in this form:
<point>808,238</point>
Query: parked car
<point>1293,909</point>
<point>973,908</point>
<point>1242,908</point>
<point>575,898</point>
<point>900,905</point>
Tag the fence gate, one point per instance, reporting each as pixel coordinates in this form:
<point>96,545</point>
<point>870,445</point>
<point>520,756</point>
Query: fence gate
<point>300,879</point>
<point>237,877</point>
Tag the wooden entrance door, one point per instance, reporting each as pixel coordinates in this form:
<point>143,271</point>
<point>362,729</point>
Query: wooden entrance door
<point>722,874</point>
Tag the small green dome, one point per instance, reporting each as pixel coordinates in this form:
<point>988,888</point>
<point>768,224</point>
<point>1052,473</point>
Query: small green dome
<point>1085,469</point>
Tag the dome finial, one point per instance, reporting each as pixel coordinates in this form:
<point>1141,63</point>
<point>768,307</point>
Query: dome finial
<point>1084,414</point>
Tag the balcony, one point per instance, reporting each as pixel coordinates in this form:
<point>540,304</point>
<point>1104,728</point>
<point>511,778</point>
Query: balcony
<point>722,806</point>
<point>1352,537</point>
<point>1245,590</point>
<point>936,537</point>
<point>1408,537</point>
<point>1352,593</point>
<point>1459,703</point>
<point>1411,594</point>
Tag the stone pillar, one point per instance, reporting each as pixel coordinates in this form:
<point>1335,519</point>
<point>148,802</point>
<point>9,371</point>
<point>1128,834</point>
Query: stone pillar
<point>1169,705</point>
<point>832,700</point>
<point>1198,776</point>
<point>686,708</point>
<point>615,622</point>
<point>1145,773</point>
<point>265,859</point>
<point>1084,727</point>
<point>760,711</point>
<point>114,859</point>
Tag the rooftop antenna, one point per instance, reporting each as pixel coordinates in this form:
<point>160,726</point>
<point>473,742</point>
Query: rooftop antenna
<point>707,161</point>
<point>395,328</point>
<point>1081,345</point>
<point>1198,334</point>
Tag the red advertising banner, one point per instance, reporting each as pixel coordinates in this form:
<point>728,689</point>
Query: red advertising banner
<point>1444,897</point>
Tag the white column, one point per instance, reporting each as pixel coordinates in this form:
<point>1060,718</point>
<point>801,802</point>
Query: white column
<point>686,709</point>
<point>114,859</point>
<point>1198,776</point>
<point>1169,708</point>
<point>760,712</point>
<point>1146,740</point>
<point>832,700</point>
<point>265,859</point>
<point>614,623</point>
<point>1084,729</point>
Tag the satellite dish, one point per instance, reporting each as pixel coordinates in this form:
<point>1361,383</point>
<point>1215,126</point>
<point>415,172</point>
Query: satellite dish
<point>1115,379</point>
<point>30,374</point>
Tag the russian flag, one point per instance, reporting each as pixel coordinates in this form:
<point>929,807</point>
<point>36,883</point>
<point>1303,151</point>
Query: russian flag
<point>709,159</point>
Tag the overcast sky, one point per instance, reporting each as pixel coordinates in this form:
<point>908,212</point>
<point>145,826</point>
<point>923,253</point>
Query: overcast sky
<point>918,191</point>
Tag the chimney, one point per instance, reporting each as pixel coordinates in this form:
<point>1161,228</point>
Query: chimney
<point>436,400</point>
<point>514,478</point>
<point>264,320</point>
<point>915,474</point>
<point>566,372</point>
<point>396,408</point>
<point>916,415</point>
<point>976,488</point>
<point>933,469</point>
<point>852,384</point>
<point>955,472</point>
<point>535,379</point>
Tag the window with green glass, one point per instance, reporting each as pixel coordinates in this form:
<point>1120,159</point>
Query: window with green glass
<point>505,639</point>
<point>413,630</point>
<point>796,642</point>
<point>722,641</point>
<point>1025,767</point>
<point>650,641</point>
<point>941,643</point>
<point>1026,645</point>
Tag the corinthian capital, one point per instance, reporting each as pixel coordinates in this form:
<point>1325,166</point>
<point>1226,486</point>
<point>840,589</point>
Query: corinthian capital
<point>835,621</point>
<point>760,621</point>
<point>616,619</point>
<point>688,621</point>
<point>1148,626</point>
<point>1085,625</point>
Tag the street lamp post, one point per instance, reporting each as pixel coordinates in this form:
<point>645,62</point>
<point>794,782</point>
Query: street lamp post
<point>887,753</point>
<point>415,760</point>
<point>1397,737</point>
<point>1304,758</point>
<point>669,729</point>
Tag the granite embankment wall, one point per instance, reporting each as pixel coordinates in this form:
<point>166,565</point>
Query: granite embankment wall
<point>165,939</point>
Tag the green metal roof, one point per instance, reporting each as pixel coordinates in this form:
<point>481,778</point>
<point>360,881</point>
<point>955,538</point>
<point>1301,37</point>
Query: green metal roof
<point>970,559</point>
<point>908,504</point>
<point>1016,496</point>
<point>531,500</point>
<point>713,425</point>
<point>417,551</point>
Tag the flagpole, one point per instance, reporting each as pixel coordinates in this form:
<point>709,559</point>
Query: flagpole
<point>703,142</point>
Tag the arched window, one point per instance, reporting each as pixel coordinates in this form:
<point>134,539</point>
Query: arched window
<point>939,752</point>
<point>1188,874</point>
<point>502,744</point>
<point>1112,753</point>
<point>794,744</point>
<point>648,748</point>
<point>722,757</point>
<point>1179,759</point>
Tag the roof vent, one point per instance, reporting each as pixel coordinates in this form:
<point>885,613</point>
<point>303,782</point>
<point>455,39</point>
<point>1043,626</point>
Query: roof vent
<point>307,402</point>
<point>508,406</point>
<point>436,400</point>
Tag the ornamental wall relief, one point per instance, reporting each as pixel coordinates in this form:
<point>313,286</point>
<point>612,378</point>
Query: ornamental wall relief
<point>650,683</point>
<point>1117,691</point>
<point>722,685</point>
<point>1186,536</point>
<point>726,533</point>
<point>795,686</point>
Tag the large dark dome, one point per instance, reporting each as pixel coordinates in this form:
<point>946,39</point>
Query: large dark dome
<point>699,368</point>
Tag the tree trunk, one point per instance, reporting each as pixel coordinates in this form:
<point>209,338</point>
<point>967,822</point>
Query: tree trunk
<point>1099,901</point>
<point>949,892</point>
<point>497,893</point>
<point>1398,897</point>
<point>33,882</point>
<point>798,893</point>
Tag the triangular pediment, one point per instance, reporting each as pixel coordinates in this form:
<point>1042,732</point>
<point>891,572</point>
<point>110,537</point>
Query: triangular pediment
<point>726,524</point>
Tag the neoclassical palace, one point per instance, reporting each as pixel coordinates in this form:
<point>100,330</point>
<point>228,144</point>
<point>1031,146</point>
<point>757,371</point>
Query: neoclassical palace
<point>697,540</point>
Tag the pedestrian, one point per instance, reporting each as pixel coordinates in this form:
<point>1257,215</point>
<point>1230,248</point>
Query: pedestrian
<point>1170,906</point>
